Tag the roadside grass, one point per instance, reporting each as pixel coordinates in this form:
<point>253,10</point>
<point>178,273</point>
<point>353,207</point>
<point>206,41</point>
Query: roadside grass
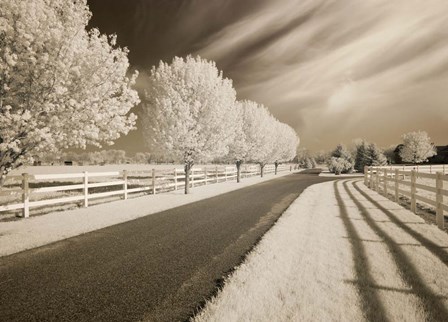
<point>292,274</point>
<point>342,253</point>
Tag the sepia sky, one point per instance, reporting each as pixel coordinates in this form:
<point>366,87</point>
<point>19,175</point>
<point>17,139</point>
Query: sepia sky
<point>335,70</point>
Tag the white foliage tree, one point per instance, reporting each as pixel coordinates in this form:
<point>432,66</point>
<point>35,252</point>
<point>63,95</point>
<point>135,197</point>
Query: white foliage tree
<point>188,113</point>
<point>260,129</point>
<point>417,147</point>
<point>286,144</point>
<point>260,137</point>
<point>60,85</point>
<point>340,161</point>
<point>267,140</point>
<point>238,147</point>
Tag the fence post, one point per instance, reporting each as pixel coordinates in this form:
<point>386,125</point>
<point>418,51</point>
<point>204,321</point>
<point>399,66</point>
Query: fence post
<point>371,178</point>
<point>192,177</point>
<point>396,185</point>
<point>86,189</point>
<point>216,174</point>
<point>175,179</point>
<point>225,174</point>
<point>25,195</point>
<point>385,181</point>
<point>439,200</point>
<point>366,169</point>
<point>377,181</point>
<point>153,181</point>
<point>205,175</point>
<point>413,192</point>
<point>125,184</point>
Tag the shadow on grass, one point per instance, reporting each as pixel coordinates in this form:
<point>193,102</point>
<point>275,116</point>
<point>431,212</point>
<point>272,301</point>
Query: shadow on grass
<point>372,307</point>
<point>433,307</point>
<point>393,289</point>
<point>428,244</point>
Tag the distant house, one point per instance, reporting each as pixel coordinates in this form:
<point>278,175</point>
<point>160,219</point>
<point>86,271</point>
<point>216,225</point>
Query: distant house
<point>68,162</point>
<point>440,158</point>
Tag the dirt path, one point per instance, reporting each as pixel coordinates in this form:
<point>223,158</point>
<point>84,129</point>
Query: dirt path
<point>341,252</point>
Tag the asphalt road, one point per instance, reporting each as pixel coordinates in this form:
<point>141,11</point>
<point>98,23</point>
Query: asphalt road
<point>156,268</point>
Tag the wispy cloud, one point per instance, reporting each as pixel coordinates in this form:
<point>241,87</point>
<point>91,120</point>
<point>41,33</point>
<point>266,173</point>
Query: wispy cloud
<point>342,69</point>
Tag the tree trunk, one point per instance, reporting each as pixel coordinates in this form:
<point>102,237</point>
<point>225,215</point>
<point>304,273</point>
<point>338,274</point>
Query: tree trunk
<point>238,170</point>
<point>262,170</point>
<point>276,166</point>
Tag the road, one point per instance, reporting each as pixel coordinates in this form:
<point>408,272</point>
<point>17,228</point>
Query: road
<point>157,268</point>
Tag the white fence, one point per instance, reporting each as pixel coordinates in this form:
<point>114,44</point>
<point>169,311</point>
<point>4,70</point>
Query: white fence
<point>50,189</point>
<point>428,168</point>
<point>427,185</point>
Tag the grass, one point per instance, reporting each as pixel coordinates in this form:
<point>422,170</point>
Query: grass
<point>342,253</point>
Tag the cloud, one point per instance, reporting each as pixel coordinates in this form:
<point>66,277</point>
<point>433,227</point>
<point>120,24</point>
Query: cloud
<point>336,70</point>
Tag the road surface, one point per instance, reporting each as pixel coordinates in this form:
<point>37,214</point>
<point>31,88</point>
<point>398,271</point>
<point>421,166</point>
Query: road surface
<point>156,268</point>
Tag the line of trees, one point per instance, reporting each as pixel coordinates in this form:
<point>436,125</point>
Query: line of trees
<point>64,86</point>
<point>416,148</point>
<point>190,115</point>
<point>306,159</point>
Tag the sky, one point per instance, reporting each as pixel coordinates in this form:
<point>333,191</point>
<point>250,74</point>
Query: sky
<point>335,70</point>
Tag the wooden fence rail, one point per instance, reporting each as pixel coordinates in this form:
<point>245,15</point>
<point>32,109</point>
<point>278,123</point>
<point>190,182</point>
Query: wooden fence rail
<point>420,186</point>
<point>426,168</point>
<point>85,186</point>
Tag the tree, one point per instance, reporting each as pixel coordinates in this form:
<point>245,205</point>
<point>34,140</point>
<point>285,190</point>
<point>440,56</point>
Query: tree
<point>260,137</point>
<point>259,127</point>
<point>302,156</point>
<point>389,153</point>
<point>142,158</point>
<point>309,163</point>
<point>186,113</point>
<point>339,165</point>
<point>361,155</point>
<point>60,85</point>
<point>417,147</point>
<point>368,154</point>
<point>286,144</point>
<point>375,156</point>
<point>320,157</point>
<point>238,146</point>
<point>340,161</point>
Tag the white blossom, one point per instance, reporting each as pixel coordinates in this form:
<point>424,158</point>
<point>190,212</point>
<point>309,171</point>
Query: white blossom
<point>417,147</point>
<point>60,85</point>
<point>188,112</point>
